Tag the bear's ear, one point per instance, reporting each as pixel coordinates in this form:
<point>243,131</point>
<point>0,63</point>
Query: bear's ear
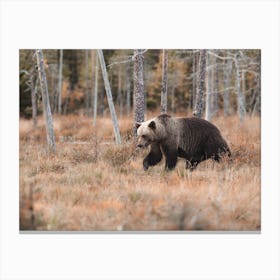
<point>152,125</point>
<point>137,124</point>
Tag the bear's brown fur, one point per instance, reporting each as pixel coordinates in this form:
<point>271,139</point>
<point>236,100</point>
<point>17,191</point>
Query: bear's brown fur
<point>191,138</point>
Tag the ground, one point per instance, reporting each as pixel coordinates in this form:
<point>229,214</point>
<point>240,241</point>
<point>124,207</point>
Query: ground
<point>92,184</point>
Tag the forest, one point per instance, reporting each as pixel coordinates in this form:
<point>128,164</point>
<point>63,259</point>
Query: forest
<point>79,166</point>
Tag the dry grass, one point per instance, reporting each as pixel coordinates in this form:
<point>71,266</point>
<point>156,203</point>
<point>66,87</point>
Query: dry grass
<point>92,184</point>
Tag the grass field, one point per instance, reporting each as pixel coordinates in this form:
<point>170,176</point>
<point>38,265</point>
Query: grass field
<point>92,184</point>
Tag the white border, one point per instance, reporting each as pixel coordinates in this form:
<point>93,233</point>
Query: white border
<point>114,24</point>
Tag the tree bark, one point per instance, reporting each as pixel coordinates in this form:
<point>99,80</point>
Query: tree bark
<point>46,101</point>
<point>109,97</point>
<point>128,91</point>
<point>60,80</point>
<point>139,99</point>
<point>120,95</point>
<point>194,72</point>
<point>215,96</point>
<point>227,73</point>
<point>209,88</point>
<point>200,84</point>
<point>87,83</point>
<point>33,87</point>
<point>95,93</point>
<point>240,95</point>
<point>164,82</point>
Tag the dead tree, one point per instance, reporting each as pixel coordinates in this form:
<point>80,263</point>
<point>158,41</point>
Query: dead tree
<point>227,80</point>
<point>198,108</point>
<point>109,96</point>
<point>240,94</point>
<point>128,90</point>
<point>87,82</point>
<point>139,98</point>
<point>60,80</point>
<point>95,88</point>
<point>164,82</point>
<point>46,101</point>
<point>209,87</point>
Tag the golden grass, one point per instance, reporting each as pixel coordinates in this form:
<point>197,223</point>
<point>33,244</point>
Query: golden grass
<point>92,184</point>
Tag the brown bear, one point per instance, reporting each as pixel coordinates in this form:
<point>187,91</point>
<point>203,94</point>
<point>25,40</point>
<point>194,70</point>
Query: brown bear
<point>191,138</point>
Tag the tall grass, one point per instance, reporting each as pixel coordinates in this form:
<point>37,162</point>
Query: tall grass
<point>92,184</point>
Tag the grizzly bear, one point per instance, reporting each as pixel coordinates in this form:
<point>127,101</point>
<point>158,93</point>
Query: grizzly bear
<point>193,139</point>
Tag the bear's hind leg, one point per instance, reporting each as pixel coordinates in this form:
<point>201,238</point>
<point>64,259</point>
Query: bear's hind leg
<point>154,156</point>
<point>171,157</point>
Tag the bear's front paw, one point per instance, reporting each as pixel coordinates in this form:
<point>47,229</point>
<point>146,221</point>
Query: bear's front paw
<point>145,165</point>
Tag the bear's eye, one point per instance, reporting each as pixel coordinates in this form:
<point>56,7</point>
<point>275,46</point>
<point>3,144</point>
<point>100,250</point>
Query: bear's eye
<point>144,137</point>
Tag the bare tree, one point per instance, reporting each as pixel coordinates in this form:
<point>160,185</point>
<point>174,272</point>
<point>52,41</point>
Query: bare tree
<point>33,86</point>
<point>198,109</point>
<point>60,80</point>
<point>194,77</point>
<point>209,87</point>
<point>227,78</point>
<point>164,82</point>
<point>109,96</point>
<point>139,99</point>
<point>46,101</point>
<point>95,88</point>
<point>240,94</point>
<point>87,83</point>
<point>128,90</point>
<point>216,88</point>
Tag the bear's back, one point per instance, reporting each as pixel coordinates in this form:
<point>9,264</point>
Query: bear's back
<point>197,133</point>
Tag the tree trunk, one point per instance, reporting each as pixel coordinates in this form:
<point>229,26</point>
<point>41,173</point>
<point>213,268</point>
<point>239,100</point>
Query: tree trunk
<point>195,74</point>
<point>33,87</point>
<point>173,99</point>
<point>95,92</point>
<point>139,99</point>
<point>87,85</point>
<point>46,101</point>
<point>128,89</point>
<point>240,95</point>
<point>164,82</point>
<point>227,72</point>
<point>209,87</point>
<point>200,84</point>
<point>52,89</point>
<point>215,96</point>
<point>109,97</point>
<point>60,80</point>
<point>120,97</point>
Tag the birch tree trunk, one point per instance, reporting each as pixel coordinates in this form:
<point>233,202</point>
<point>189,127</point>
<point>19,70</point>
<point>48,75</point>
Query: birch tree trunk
<point>194,73</point>
<point>128,91</point>
<point>46,101</point>
<point>240,95</point>
<point>60,80</point>
<point>139,99</point>
<point>87,81</point>
<point>33,87</point>
<point>200,84</point>
<point>227,73</point>
<point>215,96</point>
<point>109,97</point>
<point>164,82</point>
<point>95,88</point>
<point>120,97</point>
<point>209,88</point>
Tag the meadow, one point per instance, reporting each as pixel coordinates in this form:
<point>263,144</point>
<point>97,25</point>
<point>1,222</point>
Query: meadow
<point>91,184</point>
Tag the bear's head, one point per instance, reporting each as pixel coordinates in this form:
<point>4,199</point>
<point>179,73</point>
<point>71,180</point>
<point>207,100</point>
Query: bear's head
<point>146,133</point>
